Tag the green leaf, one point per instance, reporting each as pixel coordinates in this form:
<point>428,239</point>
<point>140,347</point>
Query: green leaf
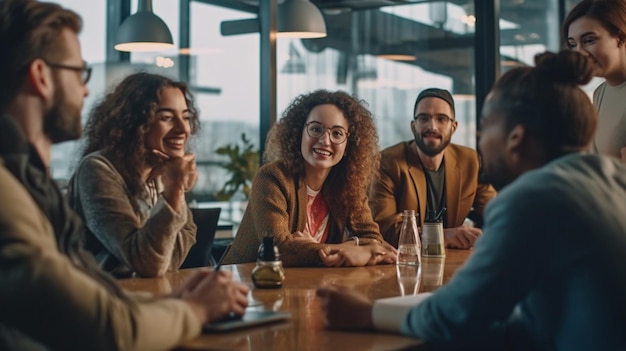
<point>242,164</point>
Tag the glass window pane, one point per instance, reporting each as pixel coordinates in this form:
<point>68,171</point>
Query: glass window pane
<point>438,36</point>
<point>93,47</point>
<point>225,71</point>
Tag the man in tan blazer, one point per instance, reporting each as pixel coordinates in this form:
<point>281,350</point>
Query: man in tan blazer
<point>53,296</point>
<point>430,175</point>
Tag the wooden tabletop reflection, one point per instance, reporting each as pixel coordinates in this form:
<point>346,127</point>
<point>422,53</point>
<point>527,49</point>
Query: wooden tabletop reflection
<point>305,330</point>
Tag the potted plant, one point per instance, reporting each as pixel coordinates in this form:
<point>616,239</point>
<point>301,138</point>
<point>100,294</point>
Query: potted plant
<point>242,164</point>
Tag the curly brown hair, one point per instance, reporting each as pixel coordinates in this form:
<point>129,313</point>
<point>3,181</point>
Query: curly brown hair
<point>348,179</point>
<point>117,125</point>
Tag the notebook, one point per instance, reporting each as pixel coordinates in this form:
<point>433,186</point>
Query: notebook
<point>249,319</point>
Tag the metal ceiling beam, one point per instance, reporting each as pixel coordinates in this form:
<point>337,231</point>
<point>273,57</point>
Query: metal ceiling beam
<point>268,17</point>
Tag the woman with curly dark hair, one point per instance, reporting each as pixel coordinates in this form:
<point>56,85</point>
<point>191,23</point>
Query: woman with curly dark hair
<point>311,196</point>
<point>129,186</point>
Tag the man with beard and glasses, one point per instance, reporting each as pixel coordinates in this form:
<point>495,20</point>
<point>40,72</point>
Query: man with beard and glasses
<point>549,272</point>
<point>52,294</point>
<point>431,175</point>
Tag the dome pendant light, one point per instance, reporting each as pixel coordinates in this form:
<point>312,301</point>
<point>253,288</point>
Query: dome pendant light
<point>296,19</point>
<point>300,19</point>
<point>143,31</point>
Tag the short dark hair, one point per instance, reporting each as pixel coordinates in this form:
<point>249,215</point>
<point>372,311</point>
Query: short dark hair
<point>548,101</point>
<point>611,14</point>
<point>437,93</point>
<point>29,29</point>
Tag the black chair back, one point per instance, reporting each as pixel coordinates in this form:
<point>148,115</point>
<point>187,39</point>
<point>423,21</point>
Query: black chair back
<point>200,253</point>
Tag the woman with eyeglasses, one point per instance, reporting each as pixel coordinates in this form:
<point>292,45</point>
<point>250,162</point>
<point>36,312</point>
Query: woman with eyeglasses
<point>129,188</point>
<point>311,195</point>
<point>597,29</point>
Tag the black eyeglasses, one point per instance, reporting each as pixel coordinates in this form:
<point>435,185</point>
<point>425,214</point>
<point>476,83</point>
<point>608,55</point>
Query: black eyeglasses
<point>439,119</point>
<point>84,70</point>
<point>337,134</point>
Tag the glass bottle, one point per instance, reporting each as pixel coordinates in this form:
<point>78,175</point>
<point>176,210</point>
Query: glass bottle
<point>269,272</point>
<point>409,246</point>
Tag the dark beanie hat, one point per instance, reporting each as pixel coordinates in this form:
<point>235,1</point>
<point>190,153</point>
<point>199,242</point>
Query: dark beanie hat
<point>437,93</point>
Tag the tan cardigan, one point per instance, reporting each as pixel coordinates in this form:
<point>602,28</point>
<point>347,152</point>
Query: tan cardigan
<point>128,234</point>
<point>47,299</point>
<point>277,206</point>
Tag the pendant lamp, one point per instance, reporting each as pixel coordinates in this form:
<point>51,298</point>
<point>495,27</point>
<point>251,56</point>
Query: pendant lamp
<point>296,19</point>
<point>300,19</point>
<point>143,31</point>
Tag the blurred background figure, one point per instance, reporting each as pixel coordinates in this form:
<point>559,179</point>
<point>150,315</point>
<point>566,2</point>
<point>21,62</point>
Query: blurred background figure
<point>597,29</point>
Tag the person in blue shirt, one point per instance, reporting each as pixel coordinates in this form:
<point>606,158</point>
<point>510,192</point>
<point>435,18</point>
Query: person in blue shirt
<point>549,272</point>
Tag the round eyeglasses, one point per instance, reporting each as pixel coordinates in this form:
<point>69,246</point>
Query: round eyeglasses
<point>338,135</point>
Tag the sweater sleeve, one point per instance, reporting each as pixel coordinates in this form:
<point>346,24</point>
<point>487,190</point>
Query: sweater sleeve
<point>149,247</point>
<point>383,202</point>
<point>273,208</point>
<point>48,298</point>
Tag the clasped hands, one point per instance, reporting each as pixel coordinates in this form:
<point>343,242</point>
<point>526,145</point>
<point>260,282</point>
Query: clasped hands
<point>348,254</point>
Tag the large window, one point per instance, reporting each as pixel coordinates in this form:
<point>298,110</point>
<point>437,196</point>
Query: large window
<point>65,155</point>
<point>435,41</point>
<point>386,56</point>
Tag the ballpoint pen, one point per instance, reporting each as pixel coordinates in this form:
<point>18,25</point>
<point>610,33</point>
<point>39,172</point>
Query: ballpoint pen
<point>440,215</point>
<point>219,263</point>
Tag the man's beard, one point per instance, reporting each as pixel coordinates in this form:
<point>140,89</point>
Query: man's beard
<point>62,122</point>
<point>431,151</point>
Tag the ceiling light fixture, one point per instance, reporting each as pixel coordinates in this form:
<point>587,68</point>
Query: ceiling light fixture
<point>296,19</point>
<point>391,45</point>
<point>396,52</point>
<point>144,31</point>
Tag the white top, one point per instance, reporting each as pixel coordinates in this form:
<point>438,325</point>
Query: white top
<point>610,134</point>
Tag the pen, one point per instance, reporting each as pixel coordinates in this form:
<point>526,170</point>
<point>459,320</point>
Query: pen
<point>440,214</point>
<point>219,263</point>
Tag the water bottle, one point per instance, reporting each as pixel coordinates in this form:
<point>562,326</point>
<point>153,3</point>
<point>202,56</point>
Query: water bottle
<point>409,247</point>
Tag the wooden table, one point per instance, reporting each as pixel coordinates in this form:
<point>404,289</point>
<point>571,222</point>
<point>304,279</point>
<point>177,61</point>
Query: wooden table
<point>305,330</point>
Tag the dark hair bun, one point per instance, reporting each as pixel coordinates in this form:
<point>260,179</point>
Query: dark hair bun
<point>566,67</point>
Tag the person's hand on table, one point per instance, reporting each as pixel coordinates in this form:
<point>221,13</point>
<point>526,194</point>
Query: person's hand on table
<point>461,237</point>
<point>351,255</point>
<point>344,308</point>
<point>214,295</point>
